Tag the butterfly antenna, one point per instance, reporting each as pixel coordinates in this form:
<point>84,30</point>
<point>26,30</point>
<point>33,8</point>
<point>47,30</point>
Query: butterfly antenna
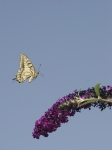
<point>42,75</point>
<point>39,71</point>
<point>39,67</point>
<point>13,80</point>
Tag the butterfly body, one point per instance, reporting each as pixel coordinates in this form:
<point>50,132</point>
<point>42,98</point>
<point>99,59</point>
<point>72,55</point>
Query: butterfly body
<point>26,70</point>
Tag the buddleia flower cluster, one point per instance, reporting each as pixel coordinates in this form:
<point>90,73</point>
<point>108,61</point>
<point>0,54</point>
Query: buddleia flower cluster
<point>97,96</point>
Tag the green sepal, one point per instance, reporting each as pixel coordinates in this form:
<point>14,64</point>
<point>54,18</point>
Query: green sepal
<point>97,89</point>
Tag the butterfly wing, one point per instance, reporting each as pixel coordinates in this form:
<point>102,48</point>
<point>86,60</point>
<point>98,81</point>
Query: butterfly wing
<point>18,76</point>
<point>26,70</point>
<point>26,63</point>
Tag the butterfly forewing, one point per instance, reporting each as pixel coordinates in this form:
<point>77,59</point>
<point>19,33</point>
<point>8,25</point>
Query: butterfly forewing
<point>27,63</point>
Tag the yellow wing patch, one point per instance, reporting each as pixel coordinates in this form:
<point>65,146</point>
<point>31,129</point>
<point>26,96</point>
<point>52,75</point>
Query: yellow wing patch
<point>26,70</point>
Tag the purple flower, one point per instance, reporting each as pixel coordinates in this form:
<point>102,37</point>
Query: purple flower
<point>54,117</point>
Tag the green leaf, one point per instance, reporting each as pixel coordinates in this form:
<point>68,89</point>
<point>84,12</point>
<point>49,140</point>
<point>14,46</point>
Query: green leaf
<point>97,89</point>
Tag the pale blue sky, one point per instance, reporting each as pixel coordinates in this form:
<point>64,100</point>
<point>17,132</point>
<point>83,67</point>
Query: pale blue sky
<point>72,40</point>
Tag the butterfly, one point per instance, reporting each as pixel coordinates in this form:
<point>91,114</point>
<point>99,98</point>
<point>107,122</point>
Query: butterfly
<point>26,70</point>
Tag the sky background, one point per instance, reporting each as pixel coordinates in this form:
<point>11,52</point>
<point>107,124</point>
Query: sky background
<point>72,40</point>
